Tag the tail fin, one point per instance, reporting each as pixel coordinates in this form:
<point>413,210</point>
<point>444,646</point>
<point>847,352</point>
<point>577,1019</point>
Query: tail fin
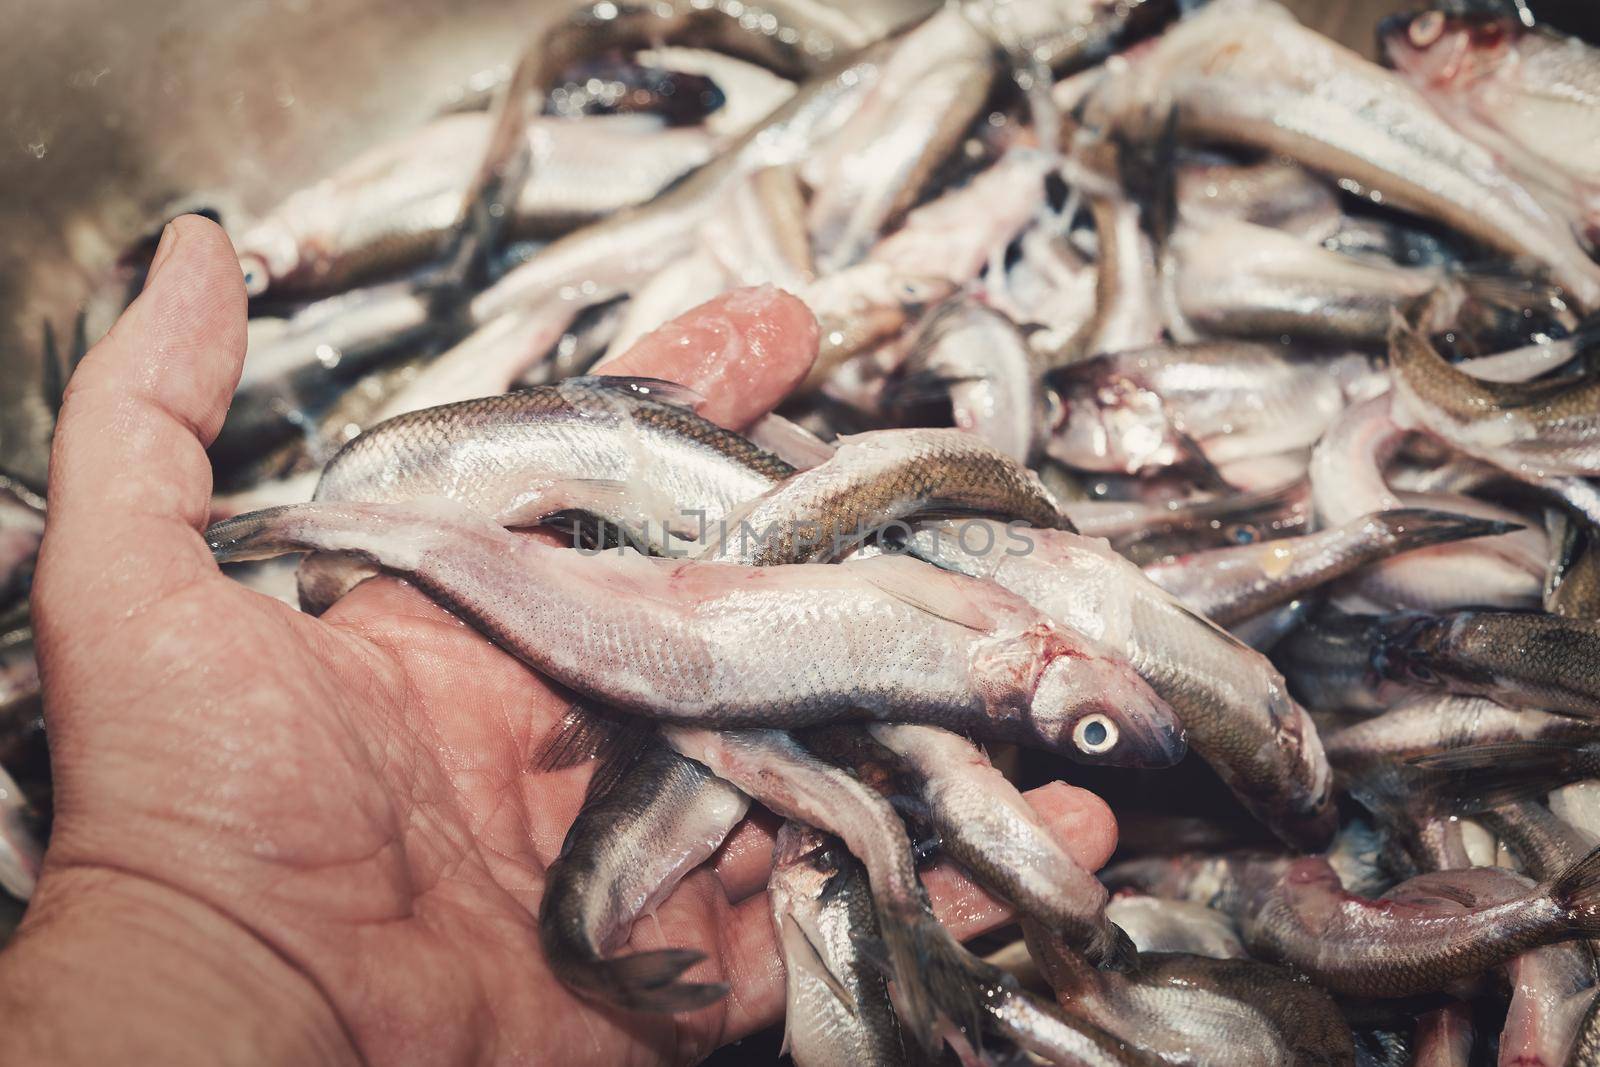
<point>648,981</point>
<point>1413,528</point>
<point>258,534</point>
<point>1468,780</point>
<point>1577,889</point>
<point>1504,302</point>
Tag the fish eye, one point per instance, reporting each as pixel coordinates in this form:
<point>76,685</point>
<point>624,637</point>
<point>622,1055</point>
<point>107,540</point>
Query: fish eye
<point>1241,534</point>
<point>1094,734</point>
<point>1426,29</point>
<point>1423,673</point>
<point>254,269</point>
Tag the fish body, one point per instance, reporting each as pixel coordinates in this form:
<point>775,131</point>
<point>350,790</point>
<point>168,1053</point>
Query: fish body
<point>1192,1010</point>
<point>1296,912</point>
<point>1515,90</point>
<point>390,210</point>
<point>988,827</point>
<point>21,530</point>
<point>1272,193</point>
<point>1235,707</point>
<point>1153,407</point>
<point>1148,534</point>
<point>1536,430</point>
<point>1348,480</point>
<point>672,639</point>
<point>1439,722</point>
<point>880,478</point>
<point>1230,585</point>
<point>821,906</point>
<point>1520,659</point>
<point>1158,925</point>
<point>983,363</point>
<point>626,850</point>
<point>1245,72</point>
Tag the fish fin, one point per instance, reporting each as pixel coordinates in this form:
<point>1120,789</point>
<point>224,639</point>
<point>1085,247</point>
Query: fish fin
<point>1414,528</point>
<point>790,442</point>
<point>605,498</point>
<point>1578,890</point>
<point>804,943</point>
<point>911,583</point>
<point>1117,952</point>
<point>1464,781</point>
<point>1502,301</point>
<point>655,388</point>
<point>648,981</point>
<point>914,388</point>
<point>1148,169</point>
<point>584,735</point>
<point>495,186</point>
<point>52,371</point>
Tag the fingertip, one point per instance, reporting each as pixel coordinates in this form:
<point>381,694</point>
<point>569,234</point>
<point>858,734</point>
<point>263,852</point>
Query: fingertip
<point>1080,820</point>
<point>745,351</point>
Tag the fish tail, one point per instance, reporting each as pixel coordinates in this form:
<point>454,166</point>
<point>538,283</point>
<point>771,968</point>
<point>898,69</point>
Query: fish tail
<point>1577,890</point>
<point>1463,781</point>
<point>1413,528</point>
<point>1500,297</point>
<point>933,976</point>
<point>258,534</point>
<point>645,981</point>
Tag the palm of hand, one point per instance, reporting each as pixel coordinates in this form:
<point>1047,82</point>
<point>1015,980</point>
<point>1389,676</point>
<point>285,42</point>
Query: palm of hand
<point>354,791</point>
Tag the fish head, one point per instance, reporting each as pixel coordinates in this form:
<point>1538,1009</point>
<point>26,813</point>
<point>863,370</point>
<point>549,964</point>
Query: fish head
<point>268,253</point>
<point>1114,426</point>
<point>1415,649</point>
<point>1097,710</point>
<point>1446,51</point>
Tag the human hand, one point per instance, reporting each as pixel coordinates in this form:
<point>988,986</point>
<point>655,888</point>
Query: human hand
<point>320,840</point>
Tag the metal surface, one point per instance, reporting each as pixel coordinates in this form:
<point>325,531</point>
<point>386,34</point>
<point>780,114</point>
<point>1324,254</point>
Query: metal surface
<point>116,114</point>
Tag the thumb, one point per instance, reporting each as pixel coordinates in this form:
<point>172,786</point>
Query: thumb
<point>129,477</point>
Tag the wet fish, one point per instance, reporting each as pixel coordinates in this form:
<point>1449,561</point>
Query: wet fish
<point>1572,587</point>
<point>1539,841</point>
<point>1245,72</point>
<point>928,647</point>
<point>942,245</point>
<point>1436,723</point>
<point>1127,314</point>
<point>876,480</point>
<point>982,363</point>
<point>1242,280</point>
<point>1270,193</point>
<point>1516,91</point>
<point>1348,480</point>
<point>1185,1009</point>
<point>21,529</point>
<point>1294,911</point>
<point>1520,659</point>
<point>1235,707</point>
<point>932,973</point>
<point>1535,430</point>
<point>987,826</point>
<point>838,1008</point>
<point>931,90</point>
<point>1230,585</point>
<point>390,210</point>
<point>631,451</point>
<point>1148,534</point>
<point>1160,406</point>
<point>1551,987</point>
<point>1158,925</point>
<point>627,849</point>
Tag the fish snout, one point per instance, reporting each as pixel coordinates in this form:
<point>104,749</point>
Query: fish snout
<point>1102,713</point>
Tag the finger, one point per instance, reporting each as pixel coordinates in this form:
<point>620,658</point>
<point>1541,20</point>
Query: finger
<point>1080,820</point>
<point>129,478</point>
<point>744,351</point>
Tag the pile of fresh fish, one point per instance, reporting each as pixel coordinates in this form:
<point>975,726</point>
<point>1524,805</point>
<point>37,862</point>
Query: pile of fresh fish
<point>1180,381</point>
